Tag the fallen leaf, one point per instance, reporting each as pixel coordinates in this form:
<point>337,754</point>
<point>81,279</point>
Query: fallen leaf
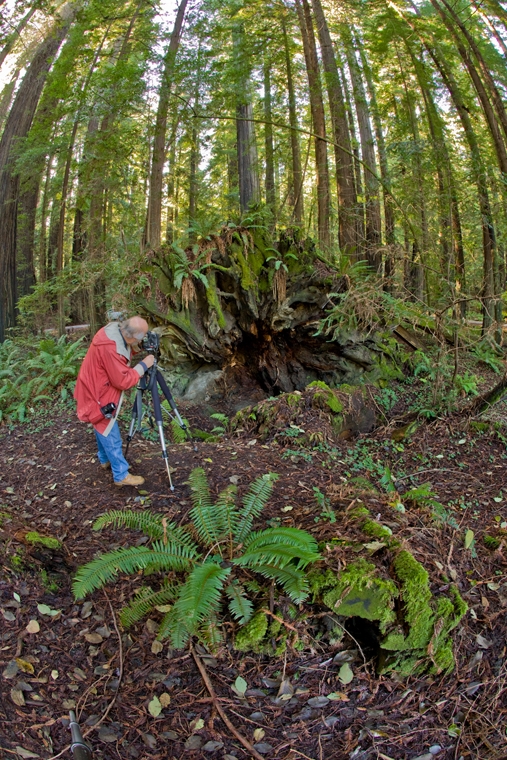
<point>259,734</point>
<point>154,707</point>
<point>24,666</point>
<point>54,674</point>
<point>8,615</point>
<point>69,704</point>
<point>469,538</point>
<point>22,752</point>
<point>482,642</point>
<point>17,697</point>
<point>33,627</point>
<point>11,669</point>
<point>16,597</point>
<point>240,686</point>
<point>345,674</point>
<point>93,638</point>
<point>196,725</point>
<point>165,699</point>
<point>338,696</point>
<point>157,647</point>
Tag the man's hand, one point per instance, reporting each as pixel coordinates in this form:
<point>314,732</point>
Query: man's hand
<point>148,360</point>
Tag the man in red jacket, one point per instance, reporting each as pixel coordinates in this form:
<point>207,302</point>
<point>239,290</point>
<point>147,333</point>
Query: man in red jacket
<point>104,376</point>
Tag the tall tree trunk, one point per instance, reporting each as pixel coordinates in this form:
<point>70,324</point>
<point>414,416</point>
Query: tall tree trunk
<point>171,200</point>
<point>246,144</point>
<point>487,108</point>
<point>344,157</point>
<point>14,36</point>
<point>389,265</point>
<point>358,179</point>
<point>17,126</point>
<point>6,97</point>
<point>319,122</point>
<point>297,174</point>
<point>373,218</point>
<point>154,213</point>
<point>478,171</point>
<point>268,140</point>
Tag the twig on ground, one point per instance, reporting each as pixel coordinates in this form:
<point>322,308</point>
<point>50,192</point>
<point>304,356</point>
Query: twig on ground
<point>204,675</point>
<point>282,621</point>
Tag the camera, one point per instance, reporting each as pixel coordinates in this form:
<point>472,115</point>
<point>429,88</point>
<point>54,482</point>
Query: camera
<point>108,410</point>
<point>151,342</point>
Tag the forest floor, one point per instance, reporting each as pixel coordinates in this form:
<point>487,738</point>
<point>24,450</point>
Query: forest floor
<point>74,656</point>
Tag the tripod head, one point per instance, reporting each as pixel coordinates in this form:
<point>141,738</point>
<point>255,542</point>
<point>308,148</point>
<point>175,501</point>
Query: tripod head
<point>151,343</point>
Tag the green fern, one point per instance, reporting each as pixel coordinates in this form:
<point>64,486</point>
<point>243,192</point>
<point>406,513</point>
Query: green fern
<point>203,513</point>
<point>145,601</point>
<point>278,554</point>
<point>253,503</point>
<point>240,606</point>
<point>106,567</point>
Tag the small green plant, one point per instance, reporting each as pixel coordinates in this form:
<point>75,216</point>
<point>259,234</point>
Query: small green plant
<point>211,558</point>
<point>326,511</point>
<point>223,423</point>
<point>466,384</point>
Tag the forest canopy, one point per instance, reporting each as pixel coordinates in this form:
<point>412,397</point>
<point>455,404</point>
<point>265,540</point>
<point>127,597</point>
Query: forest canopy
<point>377,129</point>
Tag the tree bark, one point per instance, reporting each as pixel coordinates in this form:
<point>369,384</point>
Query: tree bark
<point>154,213</point>
<point>268,140</point>
<point>344,158</point>
<point>17,126</point>
<point>389,265</point>
<point>297,174</point>
<point>319,122</point>
<point>487,108</point>
<point>370,171</point>
<point>246,144</point>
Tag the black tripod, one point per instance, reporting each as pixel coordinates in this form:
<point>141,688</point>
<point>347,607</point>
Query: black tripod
<point>151,381</point>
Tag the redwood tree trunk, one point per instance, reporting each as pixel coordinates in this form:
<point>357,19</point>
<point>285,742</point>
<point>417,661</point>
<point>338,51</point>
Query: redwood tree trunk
<point>319,122</point>
<point>297,174</point>
<point>154,213</point>
<point>344,157</point>
<point>17,126</point>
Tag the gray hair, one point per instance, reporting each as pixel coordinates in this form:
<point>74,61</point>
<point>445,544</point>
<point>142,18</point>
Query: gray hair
<point>131,332</point>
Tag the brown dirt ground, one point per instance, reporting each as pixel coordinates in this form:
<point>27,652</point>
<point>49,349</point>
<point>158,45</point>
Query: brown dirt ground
<point>50,481</point>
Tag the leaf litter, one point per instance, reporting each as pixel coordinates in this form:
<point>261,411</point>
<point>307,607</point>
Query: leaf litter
<point>55,653</point>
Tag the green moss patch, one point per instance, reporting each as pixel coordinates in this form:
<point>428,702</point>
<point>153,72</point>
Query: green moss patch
<point>48,541</point>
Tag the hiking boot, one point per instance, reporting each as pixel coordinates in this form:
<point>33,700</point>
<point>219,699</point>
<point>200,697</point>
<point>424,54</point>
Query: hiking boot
<point>106,466</point>
<point>131,480</point>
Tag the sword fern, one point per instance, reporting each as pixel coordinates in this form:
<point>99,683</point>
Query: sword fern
<point>195,585</point>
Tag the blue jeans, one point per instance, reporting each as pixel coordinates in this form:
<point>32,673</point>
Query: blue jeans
<point>110,450</point>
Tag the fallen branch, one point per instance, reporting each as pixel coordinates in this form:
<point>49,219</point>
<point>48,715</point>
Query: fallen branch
<point>216,703</point>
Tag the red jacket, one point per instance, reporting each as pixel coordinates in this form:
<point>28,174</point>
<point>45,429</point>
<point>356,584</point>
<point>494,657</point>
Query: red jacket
<point>104,375</point>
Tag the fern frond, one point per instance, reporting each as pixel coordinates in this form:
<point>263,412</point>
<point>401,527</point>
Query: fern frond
<point>278,554</point>
<point>210,633</point>
<point>254,502</point>
<point>200,596</point>
<point>145,601</point>
<point>174,627</point>
<point>225,511</point>
<point>281,535</point>
<point>240,606</point>
<point>106,567</point>
<point>290,577</point>
<point>203,513</point>
<point>148,523</point>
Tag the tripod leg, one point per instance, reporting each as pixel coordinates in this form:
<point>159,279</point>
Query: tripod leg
<point>158,418</point>
<point>167,393</point>
<point>137,415</point>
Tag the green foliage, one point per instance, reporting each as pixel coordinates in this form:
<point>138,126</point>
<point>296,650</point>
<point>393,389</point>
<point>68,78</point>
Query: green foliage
<point>31,373</point>
<point>32,537</point>
<point>201,572</point>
